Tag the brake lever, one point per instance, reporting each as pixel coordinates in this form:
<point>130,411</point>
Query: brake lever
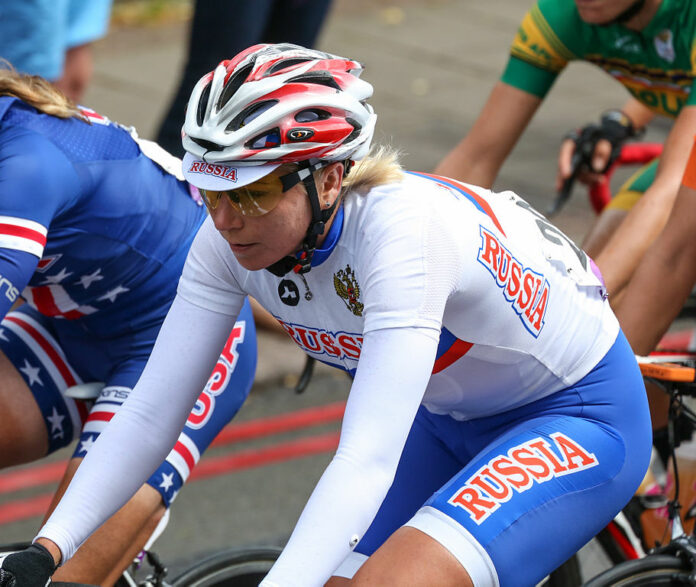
<point>563,195</point>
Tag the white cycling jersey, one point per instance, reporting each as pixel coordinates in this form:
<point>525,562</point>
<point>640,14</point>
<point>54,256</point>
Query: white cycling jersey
<point>521,312</point>
<point>429,291</point>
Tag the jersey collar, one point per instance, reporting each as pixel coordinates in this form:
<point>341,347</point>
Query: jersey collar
<point>5,103</point>
<point>335,230</point>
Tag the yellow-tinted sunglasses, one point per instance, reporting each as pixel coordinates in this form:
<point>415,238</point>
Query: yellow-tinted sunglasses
<point>260,197</point>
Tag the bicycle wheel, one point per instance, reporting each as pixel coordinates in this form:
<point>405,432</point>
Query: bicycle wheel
<point>567,575</point>
<point>233,568</point>
<point>651,571</point>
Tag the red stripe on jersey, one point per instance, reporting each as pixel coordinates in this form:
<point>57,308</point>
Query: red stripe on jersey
<point>44,302</point>
<point>464,190</point>
<point>72,315</point>
<point>91,113</point>
<point>458,349</point>
<point>185,454</point>
<point>100,417</point>
<point>23,232</point>
<point>56,359</point>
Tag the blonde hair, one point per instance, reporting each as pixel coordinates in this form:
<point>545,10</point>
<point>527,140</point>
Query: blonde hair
<point>37,92</point>
<point>381,166</point>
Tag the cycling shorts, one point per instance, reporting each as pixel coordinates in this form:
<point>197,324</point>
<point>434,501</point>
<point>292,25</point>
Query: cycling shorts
<point>634,188</point>
<point>51,358</point>
<point>514,495</point>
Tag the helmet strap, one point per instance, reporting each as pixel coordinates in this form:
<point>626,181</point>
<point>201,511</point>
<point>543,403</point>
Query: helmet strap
<point>303,263</point>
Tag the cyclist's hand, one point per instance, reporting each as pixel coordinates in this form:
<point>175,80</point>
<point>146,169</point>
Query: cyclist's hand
<point>588,152</point>
<point>31,567</point>
<point>600,160</point>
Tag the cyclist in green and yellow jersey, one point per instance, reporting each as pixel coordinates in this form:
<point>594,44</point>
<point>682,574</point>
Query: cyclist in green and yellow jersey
<point>646,45</point>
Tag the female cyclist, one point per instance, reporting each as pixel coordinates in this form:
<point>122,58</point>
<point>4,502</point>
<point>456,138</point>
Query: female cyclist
<point>493,393</point>
<point>93,236</point>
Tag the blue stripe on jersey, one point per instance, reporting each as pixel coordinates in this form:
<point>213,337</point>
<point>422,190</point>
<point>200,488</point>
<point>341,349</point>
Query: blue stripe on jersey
<point>335,230</point>
<point>452,186</point>
<point>480,203</point>
<point>447,339</point>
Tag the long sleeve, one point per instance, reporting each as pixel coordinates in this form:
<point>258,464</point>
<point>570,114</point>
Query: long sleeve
<point>146,427</point>
<point>392,375</point>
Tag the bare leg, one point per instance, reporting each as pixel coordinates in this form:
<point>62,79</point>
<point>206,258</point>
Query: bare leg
<point>411,557</point>
<point>602,231</point>
<point>23,436</point>
<point>109,551</point>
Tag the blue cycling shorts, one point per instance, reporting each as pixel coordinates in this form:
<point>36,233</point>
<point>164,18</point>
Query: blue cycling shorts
<point>514,495</point>
<point>52,356</point>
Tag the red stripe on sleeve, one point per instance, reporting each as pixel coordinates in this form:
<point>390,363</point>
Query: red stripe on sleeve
<point>21,231</point>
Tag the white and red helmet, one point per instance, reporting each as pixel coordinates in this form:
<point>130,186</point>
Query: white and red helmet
<point>274,104</point>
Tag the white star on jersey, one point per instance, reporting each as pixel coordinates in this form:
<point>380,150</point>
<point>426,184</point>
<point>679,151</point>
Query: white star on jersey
<point>3,336</point>
<point>56,421</point>
<point>113,293</point>
<point>57,278</point>
<point>167,481</point>
<point>86,444</point>
<point>32,373</point>
<point>87,280</point>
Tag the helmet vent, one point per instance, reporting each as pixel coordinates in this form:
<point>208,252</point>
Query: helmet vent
<point>312,115</point>
<point>266,140</point>
<point>207,145</point>
<point>357,127</point>
<point>203,105</point>
<point>233,84</point>
<point>285,63</point>
<point>323,78</point>
<point>248,114</point>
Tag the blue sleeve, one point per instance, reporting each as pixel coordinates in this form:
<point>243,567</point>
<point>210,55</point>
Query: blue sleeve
<point>37,181</point>
<point>16,269</point>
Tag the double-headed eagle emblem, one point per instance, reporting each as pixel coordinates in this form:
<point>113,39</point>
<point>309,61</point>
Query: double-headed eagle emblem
<point>347,288</point>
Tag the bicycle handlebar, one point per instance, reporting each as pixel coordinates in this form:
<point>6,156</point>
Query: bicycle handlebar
<point>668,372</point>
<point>600,193</point>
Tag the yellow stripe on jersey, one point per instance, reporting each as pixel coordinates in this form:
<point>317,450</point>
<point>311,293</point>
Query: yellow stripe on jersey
<point>536,43</point>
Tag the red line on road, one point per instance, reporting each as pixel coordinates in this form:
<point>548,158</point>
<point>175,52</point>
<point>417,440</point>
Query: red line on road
<point>32,477</point>
<point>53,472</point>
<point>209,467</point>
<point>213,466</point>
<point>281,423</point>
<point>22,509</point>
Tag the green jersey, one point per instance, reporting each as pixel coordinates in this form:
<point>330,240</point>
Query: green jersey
<point>656,65</point>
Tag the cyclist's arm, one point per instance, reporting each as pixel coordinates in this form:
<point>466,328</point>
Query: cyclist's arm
<point>146,427</point>
<point>620,257</point>
<point>16,269</point>
<point>665,276</point>
<point>393,372</point>
<point>481,153</point>
<point>37,183</point>
<point>638,112</point>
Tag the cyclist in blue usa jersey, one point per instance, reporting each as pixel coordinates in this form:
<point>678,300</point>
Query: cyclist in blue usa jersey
<point>493,395</point>
<point>94,231</point>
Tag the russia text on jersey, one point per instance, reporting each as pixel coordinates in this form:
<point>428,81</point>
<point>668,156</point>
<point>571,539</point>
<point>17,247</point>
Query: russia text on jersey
<point>499,479</point>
